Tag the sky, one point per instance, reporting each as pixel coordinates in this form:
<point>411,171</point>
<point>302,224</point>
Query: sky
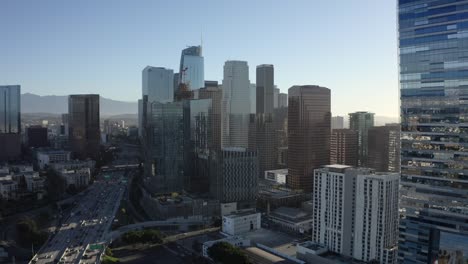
<point>56,47</point>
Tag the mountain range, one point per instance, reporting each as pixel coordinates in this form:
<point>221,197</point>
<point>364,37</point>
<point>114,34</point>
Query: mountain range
<point>56,104</point>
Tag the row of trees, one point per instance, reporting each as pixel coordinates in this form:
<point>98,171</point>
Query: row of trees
<point>143,236</point>
<point>226,253</point>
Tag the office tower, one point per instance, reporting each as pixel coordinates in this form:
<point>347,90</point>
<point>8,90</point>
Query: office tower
<point>214,92</point>
<point>192,69</point>
<point>282,100</point>
<point>140,118</point>
<point>10,122</point>
<point>344,147</point>
<point>355,212</point>
<point>276,92</point>
<point>253,98</point>
<point>84,128</point>
<point>433,77</point>
<point>384,148</point>
<point>65,124</point>
<point>337,122</point>
<point>308,133</point>
<point>36,137</point>
<point>165,147</point>
<point>176,81</point>
<point>197,139</point>
<point>10,109</point>
<point>265,87</point>
<point>361,122</point>
<point>236,107</point>
<point>281,136</point>
<point>235,176</point>
<point>264,130</point>
<point>158,84</point>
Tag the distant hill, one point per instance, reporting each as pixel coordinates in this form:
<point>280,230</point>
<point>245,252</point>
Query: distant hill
<point>53,104</point>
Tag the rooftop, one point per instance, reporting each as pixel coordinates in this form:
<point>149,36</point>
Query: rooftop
<point>241,213</point>
<point>291,214</point>
<point>281,171</point>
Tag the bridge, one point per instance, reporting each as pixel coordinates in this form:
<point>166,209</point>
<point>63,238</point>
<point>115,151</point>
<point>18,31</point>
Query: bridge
<point>138,226</point>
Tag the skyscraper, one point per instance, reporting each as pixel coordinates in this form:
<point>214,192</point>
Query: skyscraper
<point>84,128</point>
<point>308,133</point>
<point>282,100</point>
<point>276,92</point>
<point>344,147</point>
<point>236,106</point>
<point>10,109</point>
<point>384,148</point>
<point>355,212</point>
<point>214,92</point>
<point>337,122</point>
<point>192,69</point>
<point>361,122</point>
<point>265,89</point>
<point>10,122</point>
<point>158,84</point>
<point>433,77</point>
<point>253,98</point>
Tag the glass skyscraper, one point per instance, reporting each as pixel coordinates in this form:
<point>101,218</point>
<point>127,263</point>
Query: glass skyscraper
<point>192,69</point>
<point>10,109</point>
<point>433,47</point>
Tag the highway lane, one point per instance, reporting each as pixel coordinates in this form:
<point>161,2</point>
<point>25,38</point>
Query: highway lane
<point>88,223</point>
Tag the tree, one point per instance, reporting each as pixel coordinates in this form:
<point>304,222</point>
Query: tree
<point>226,253</point>
<point>28,233</point>
<point>56,185</point>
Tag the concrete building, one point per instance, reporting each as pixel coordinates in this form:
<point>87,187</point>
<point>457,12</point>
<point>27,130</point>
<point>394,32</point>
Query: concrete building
<point>361,122</point>
<point>351,204</point>
<point>46,157</point>
<point>241,222</point>
<point>10,122</point>
<point>308,133</point>
<point>78,177</point>
<point>234,176</point>
<point>8,188</point>
<point>291,220</point>
<point>384,148</point>
<point>236,109</point>
<point>277,176</point>
<point>344,147</point>
<point>337,122</point>
<point>84,125</point>
<point>282,100</point>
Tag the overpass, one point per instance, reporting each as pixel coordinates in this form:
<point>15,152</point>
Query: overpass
<point>149,224</point>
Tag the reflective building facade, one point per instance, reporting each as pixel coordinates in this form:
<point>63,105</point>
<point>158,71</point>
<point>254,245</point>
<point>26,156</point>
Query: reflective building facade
<point>192,68</point>
<point>158,84</point>
<point>361,122</point>
<point>10,109</point>
<point>309,118</point>
<point>84,127</point>
<point>433,45</point>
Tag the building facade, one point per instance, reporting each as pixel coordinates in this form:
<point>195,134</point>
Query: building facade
<point>241,222</point>
<point>37,136</point>
<point>355,212</point>
<point>158,84</point>
<point>361,122</point>
<point>192,68</point>
<point>236,109</point>
<point>214,92</point>
<point>282,100</point>
<point>337,122</point>
<point>265,89</point>
<point>384,148</point>
<point>10,122</point>
<point>433,77</point>
<point>344,147</point>
<point>308,133</point>
<point>45,158</point>
<point>84,127</point>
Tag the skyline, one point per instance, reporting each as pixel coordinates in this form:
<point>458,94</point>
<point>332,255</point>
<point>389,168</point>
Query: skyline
<point>123,38</point>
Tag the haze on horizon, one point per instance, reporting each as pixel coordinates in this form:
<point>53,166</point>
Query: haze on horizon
<point>53,47</point>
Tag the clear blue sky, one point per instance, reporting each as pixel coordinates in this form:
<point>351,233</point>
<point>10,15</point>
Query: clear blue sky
<point>87,46</point>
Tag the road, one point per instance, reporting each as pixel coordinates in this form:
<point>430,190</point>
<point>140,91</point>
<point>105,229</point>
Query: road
<point>89,222</point>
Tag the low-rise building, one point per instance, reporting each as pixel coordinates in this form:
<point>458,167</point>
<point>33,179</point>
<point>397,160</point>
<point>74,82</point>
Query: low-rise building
<point>34,183</point>
<point>46,157</point>
<point>277,176</point>
<point>292,220</point>
<point>271,197</point>
<point>241,222</point>
<point>72,165</point>
<point>237,241</point>
<point>8,188</point>
<point>78,178</point>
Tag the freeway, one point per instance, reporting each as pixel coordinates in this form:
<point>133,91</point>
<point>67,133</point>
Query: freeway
<point>89,222</point>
